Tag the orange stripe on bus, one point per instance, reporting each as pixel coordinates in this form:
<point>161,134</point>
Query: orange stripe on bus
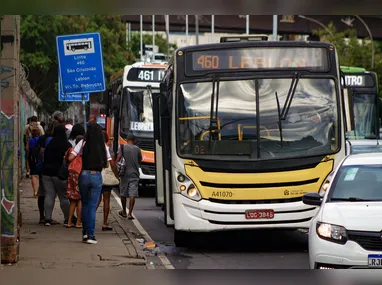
<point>147,156</point>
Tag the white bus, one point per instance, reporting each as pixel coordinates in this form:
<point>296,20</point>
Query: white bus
<point>132,111</point>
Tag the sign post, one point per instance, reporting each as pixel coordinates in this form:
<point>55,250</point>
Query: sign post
<point>80,65</point>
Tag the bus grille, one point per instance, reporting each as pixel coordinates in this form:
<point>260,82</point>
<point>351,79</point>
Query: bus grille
<point>148,169</point>
<point>146,144</point>
<point>367,240</point>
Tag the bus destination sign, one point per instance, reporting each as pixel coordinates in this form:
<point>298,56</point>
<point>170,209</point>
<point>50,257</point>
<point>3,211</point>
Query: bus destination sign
<point>146,74</point>
<point>358,80</point>
<point>311,58</point>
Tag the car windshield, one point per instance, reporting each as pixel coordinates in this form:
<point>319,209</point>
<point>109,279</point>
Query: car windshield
<point>358,183</point>
<point>137,113</point>
<point>365,116</point>
<point>309,128</point>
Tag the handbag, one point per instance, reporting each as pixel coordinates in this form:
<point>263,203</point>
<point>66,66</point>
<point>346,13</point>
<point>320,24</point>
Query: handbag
<point>75,166</point>
<point>121,165</point>
<point>108,177</point>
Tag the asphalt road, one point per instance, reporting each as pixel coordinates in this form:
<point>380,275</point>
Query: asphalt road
<point>224,250</point>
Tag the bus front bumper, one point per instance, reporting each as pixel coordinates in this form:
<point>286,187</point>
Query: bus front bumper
<point>206,216</point>
<point>145,177</point>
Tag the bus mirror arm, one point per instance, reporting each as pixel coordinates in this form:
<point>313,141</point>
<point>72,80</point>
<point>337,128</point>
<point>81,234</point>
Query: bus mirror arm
<point>279,119</point>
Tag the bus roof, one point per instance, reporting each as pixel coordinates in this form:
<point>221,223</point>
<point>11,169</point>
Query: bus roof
<point>352,69</point>
<point>148,65</point>
<point>142,82</point>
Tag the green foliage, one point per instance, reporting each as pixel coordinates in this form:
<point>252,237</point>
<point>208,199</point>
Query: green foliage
<point>351,51</point>
<point>160,41</point>
<point>38,49</point>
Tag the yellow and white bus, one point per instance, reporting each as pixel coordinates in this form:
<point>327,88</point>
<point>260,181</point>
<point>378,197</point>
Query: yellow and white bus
<point>243,130</point>
<point>132,110</point>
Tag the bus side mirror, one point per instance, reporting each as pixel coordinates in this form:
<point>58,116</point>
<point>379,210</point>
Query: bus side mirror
<point>312,199</point>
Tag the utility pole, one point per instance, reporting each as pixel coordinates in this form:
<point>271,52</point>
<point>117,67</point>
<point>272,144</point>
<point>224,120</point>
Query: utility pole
<point>141,36</point>
<point>247,24</point>
<point>275,27</point>
<point>186,25</point>
<point>167,20</point>
<point>153,37</point>
<point>213,26</point>
<point>197,28</point>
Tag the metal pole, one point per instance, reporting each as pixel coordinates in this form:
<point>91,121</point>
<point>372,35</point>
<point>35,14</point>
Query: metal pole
<point>213,27</point>
<point>167,19</point>
<point>153,36</point>
<point>371,38</point>
<point>141,28</point>
<point>247,24</point>
<point>129,39</point>
<point>197,29</point>
<point>186,25</point>
<point>1,152</point>
<point>127,34</point>
<point>275,27</point>
<point>84,109</point>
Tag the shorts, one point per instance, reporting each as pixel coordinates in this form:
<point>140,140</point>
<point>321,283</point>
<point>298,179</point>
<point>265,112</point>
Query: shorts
<point>128,188</point>
<point>106,188</point>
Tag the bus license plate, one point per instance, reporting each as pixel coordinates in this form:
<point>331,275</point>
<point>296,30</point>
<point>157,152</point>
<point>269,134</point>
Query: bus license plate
<point>259,214</point>
<point>375,260</point>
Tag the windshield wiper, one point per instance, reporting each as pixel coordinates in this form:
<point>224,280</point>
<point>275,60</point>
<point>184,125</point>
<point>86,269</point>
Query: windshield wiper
<point>214,119</point>
<point>289,99</point>
<point>257,117</point>
<point>279,119</point>
<point>351,199</point>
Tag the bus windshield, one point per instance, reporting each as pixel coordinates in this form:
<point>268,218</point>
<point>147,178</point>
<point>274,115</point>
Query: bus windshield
<point>309,128</point>
<point>137,113</point>
<point>365,116</point>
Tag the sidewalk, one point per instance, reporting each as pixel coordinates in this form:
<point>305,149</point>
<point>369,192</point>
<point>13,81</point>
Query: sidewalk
<point>59,247</point>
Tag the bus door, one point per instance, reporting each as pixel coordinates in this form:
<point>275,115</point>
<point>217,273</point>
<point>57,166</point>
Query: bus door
<point>159,187</point>
<point>163,154</point>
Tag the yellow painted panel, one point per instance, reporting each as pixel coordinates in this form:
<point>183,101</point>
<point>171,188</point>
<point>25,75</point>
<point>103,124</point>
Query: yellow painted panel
<point>284,192</point>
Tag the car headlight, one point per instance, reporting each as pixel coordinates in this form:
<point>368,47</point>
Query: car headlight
<point>331,232</point>
<point>326,184</point>
<point>186,187</point>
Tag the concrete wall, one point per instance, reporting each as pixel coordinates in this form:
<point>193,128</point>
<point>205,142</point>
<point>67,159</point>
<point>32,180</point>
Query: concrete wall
<point>10,136</point>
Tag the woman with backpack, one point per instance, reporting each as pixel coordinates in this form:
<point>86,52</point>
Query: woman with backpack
<point>95,157</point>
<point>33,149</point>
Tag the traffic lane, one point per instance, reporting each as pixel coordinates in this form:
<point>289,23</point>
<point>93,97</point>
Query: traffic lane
<point>255,249</point>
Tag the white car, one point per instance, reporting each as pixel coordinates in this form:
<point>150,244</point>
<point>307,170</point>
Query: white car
<point>346,232</point>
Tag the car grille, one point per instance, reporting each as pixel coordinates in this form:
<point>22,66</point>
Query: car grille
<point>148,169</point>
<point>368,240</point>
<point>145,144</point>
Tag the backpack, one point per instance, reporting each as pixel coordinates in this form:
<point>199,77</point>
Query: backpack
<point>39,163</point>
<point>121,165</point>
<point>34,152</point>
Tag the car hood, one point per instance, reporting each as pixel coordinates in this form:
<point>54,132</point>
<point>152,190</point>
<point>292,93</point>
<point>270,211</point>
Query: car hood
<point>360,216</point>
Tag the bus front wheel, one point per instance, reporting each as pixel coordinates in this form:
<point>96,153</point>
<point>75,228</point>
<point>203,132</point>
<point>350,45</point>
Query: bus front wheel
<point>181,238</point>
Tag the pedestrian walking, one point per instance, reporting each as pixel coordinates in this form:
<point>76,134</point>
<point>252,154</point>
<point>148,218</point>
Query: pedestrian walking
<point>110,180</point>
<point>129,181</point>
<point>95,157</point>
<point>33,158</point>
<point>53,160</point>
<point>73,192</point>
<point>77,130</point>
<point>31,125</point>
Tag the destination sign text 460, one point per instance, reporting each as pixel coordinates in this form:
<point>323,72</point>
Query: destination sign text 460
<point>260,58</point>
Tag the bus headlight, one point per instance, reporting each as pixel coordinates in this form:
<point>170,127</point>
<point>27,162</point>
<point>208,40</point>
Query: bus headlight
<point>326,184</point>
<point>186,187</point>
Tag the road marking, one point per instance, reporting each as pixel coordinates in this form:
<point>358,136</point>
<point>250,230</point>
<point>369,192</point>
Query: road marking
<point>165,261</point>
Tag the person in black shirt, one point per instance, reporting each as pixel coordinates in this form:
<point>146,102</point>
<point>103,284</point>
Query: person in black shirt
<point>53,159</point>
<point>95,157</point>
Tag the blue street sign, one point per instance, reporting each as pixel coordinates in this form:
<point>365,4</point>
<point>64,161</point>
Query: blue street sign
<point>80,63</point>
<point>69,97</point>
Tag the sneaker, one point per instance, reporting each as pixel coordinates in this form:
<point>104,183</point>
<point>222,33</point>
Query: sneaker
<point>85,238</point>
<point>48,222</point>
<point>91,240</point>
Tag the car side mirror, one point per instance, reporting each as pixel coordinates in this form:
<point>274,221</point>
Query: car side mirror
<point>313,199</point>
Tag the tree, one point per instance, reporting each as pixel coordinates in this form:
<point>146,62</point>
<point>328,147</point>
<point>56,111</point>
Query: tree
<point>351,50</point>
<point>38,49</point>
<point>160,41</point>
